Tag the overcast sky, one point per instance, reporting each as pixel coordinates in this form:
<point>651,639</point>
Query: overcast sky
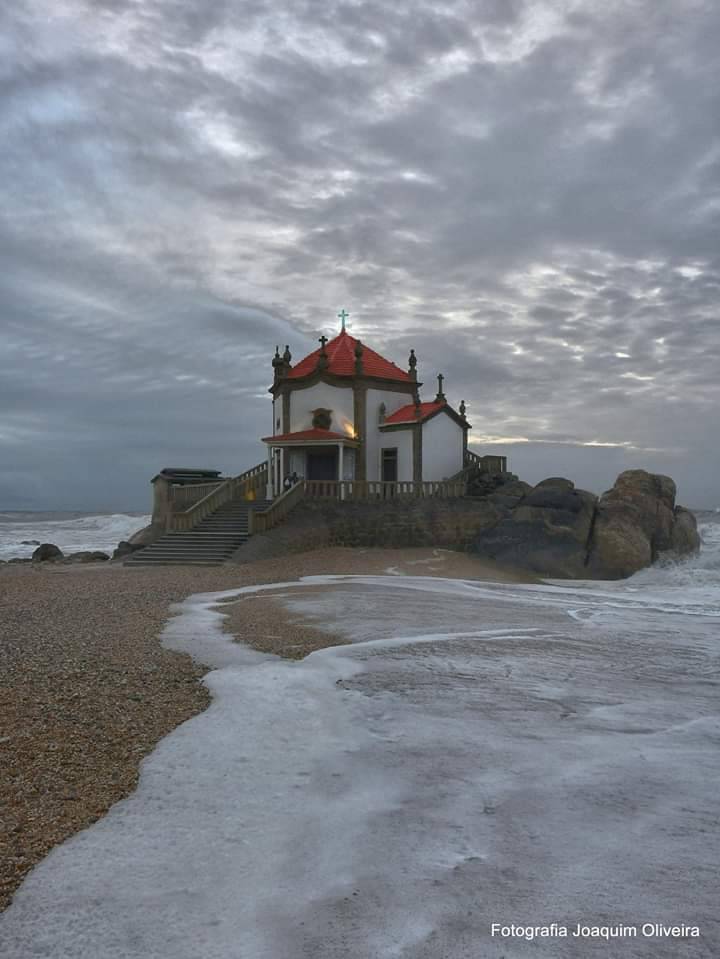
<point>527,193</point>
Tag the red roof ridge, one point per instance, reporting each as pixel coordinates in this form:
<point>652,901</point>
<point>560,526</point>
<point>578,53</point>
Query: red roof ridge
<point>340,352</point>
<point>409,413</point>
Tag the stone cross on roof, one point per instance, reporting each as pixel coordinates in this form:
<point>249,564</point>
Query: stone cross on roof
<point>342,316</point>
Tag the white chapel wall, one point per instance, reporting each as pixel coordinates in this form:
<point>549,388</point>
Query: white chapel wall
<point>339,399</point>
<point>375,439</point>
<point>401,440</point>
<point>442,448</point>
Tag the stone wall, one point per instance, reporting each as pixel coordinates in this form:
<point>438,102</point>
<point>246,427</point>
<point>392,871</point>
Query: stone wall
<point>449,523</point>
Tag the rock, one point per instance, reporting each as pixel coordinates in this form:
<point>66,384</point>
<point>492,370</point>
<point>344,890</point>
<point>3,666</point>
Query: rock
<point>146,535</point>
<point>556,530</point>
<point>47,551</point>
<point>546,533</point>
<point>88,556</point>
<point>636,522</point>
<point>509,495</point>
<point>685,538</point>
<point>29,542</point>
<point>124,548</point>
<point>143,537</point>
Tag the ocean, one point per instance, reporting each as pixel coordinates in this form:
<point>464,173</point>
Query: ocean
<point>73,532</point>
<point>20,532</point>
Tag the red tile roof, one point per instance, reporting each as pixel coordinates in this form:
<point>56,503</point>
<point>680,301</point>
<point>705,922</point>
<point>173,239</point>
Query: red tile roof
<point>341,361</point>
<point>408,414</point>
<point>307,435</point>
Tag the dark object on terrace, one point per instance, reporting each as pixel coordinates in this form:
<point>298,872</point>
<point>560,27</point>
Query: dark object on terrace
<point>186,477</point>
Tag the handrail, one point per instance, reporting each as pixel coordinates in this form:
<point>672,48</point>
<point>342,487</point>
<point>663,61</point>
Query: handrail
<point>263,520</point>
<point>184,496</point>
<point>487,463</point>
<point>251,481</point>
<point>374,490</point>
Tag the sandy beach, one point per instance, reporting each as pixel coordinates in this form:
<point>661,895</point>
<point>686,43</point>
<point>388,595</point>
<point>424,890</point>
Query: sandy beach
<point>87,689</point>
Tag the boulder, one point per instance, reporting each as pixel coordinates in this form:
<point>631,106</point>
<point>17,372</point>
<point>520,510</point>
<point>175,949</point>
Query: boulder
<point>546,533</point>
<point>556,530</point>
<point>636,522</point>
<point>143,537</point>
<point>146,535</point>
<point>47,551</point>
<point>88,556</point>
<point>29,542</point>
<point>124,548</point>
<point>684,539</point>
<point>509,495</point>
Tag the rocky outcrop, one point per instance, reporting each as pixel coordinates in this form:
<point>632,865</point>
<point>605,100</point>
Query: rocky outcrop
<point>46,552</point>
<point>556,530</point>
<point>684,538</point>
<point>124,548</point>
<point>547,532</point>
<point>143,537</point>
<point>636,523</point>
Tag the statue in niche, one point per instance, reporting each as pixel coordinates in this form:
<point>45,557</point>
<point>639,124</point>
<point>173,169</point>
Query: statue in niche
<point>321,419</point>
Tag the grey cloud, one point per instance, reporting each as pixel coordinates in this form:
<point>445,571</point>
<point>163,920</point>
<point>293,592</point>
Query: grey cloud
<point>518,194</point>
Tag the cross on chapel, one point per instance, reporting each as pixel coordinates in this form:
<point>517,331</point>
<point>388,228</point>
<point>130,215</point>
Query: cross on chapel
<point>343,315</point>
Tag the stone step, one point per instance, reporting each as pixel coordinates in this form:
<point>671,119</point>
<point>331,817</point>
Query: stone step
<point>222,547</point>
<point>174,562</point>
<point>210,543</point>
<point>184,557</point>
<point>232,523</point>
<point>203,534</point>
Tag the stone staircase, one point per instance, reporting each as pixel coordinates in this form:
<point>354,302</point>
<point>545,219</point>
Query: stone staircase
<point>210,543</point>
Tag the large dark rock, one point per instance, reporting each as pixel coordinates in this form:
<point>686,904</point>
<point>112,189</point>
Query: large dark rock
<point>556,530</point>
<point>636,523</point>
<point>546,533</point>
<point>47,551</point>
<point>684,538</point>
<point>125,548</point>
<point>143,537</point>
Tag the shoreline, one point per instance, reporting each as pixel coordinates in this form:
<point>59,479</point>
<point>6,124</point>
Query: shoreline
<point>87,690</point>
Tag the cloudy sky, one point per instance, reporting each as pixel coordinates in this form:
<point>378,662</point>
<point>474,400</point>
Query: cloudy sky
<point>527,193</point>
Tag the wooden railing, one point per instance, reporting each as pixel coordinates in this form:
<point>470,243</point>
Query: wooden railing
<point>250,484</point>
<point>262,521</point>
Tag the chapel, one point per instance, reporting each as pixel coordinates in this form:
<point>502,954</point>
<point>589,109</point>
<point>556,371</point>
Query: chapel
<point>346,413</point>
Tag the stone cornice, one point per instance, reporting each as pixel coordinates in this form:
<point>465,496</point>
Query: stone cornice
<point>286,385</point>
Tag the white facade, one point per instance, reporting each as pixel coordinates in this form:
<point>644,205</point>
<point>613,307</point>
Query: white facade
<point>442,446</point>
<point>339,399</point>
<point>402,441</point>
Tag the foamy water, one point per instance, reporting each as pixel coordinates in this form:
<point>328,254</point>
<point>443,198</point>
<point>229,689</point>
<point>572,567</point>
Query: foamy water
<point>72,532</point>
<point>478,753</point>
